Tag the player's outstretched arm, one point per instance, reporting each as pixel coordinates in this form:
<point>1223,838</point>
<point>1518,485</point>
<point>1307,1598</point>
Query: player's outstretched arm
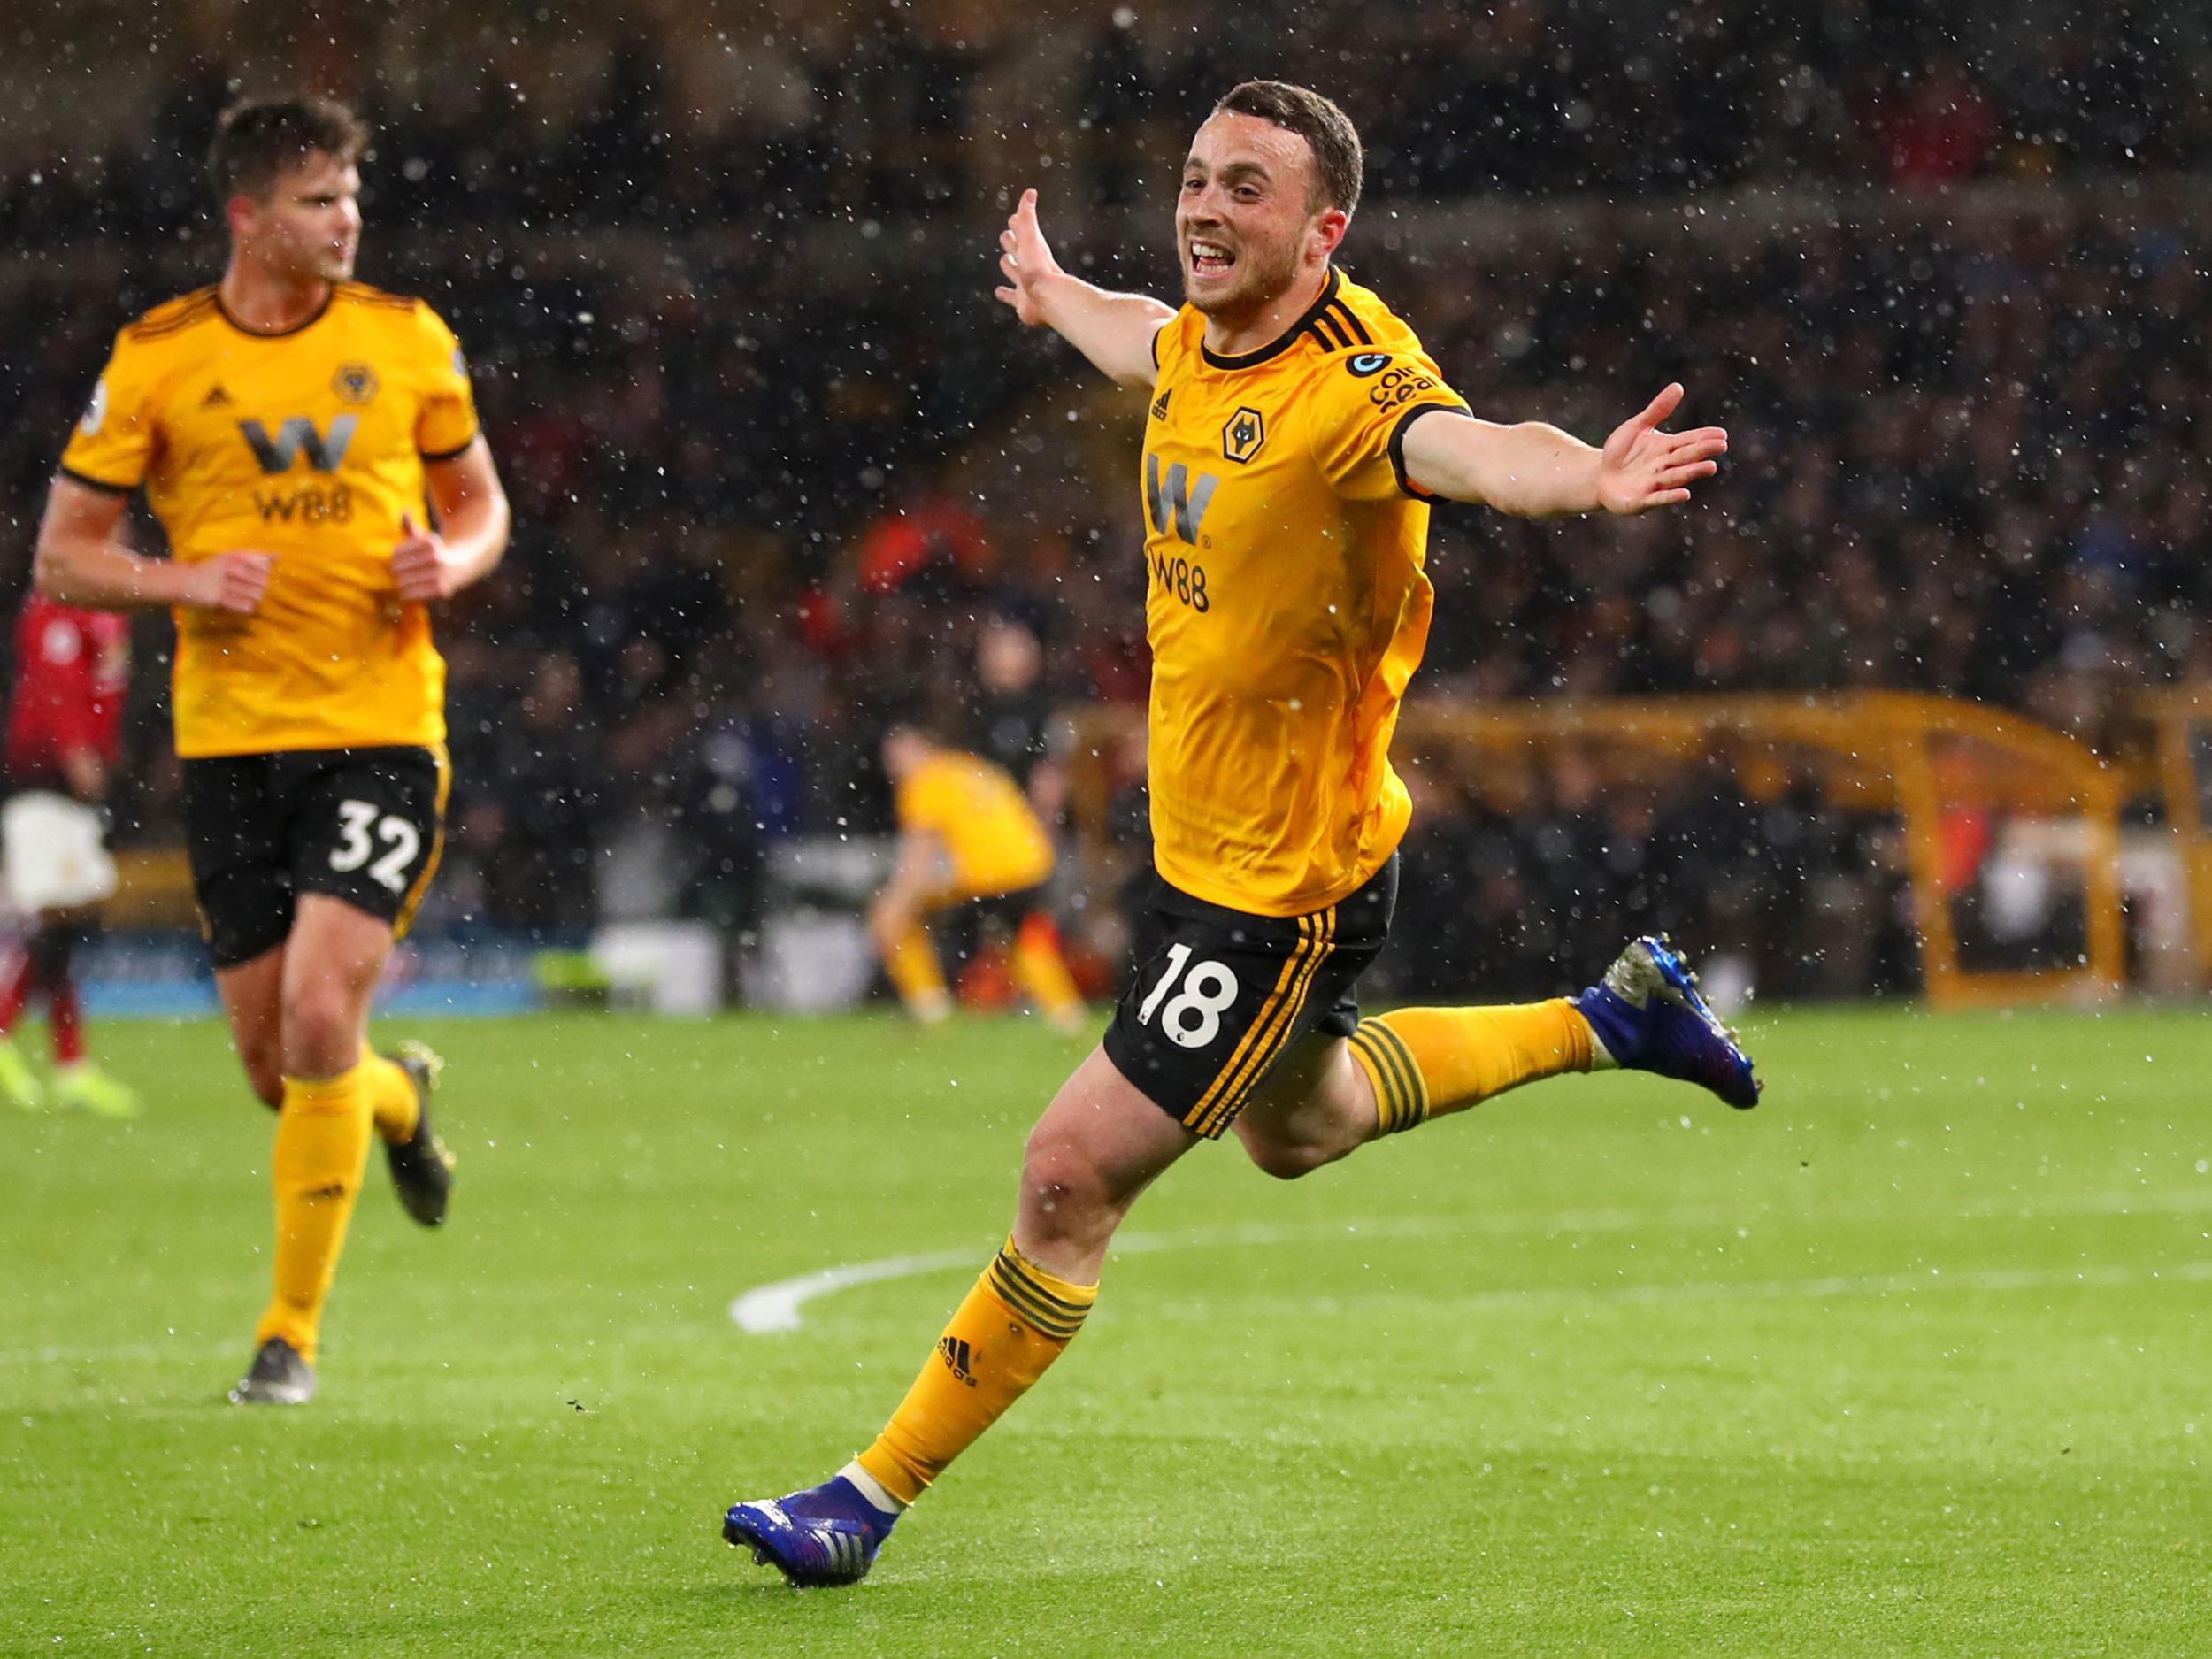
<point>470,536</point>
<point>1113,330</point>
<point>1533,470</point>
<point>79,561</point>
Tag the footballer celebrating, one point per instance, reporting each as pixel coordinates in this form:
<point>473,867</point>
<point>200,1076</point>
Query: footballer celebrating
<point>1297,434</point>
<point>289,426</point>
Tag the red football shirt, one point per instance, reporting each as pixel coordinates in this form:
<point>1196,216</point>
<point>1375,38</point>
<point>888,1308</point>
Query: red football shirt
<point>72,669</point>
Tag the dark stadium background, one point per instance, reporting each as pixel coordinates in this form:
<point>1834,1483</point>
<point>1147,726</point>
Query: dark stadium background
<point>779,463</point>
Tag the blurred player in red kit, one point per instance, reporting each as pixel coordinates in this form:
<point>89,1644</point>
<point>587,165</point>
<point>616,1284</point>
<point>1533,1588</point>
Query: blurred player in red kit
<point>64,736</point>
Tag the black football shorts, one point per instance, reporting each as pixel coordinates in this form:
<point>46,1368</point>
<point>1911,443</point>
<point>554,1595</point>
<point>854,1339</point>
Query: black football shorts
<point>1006,910</point>
<point>362,824</point>
<point>1219,996</point>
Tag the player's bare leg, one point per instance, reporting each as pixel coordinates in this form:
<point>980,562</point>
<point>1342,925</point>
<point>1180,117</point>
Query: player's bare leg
<point>252,995</point>
<point>332,962</point>
<point>332,1093</point>
<point>1329,1097</point>
<point>1091,1156</point>
<point>900,936</point>
<point>1098,1146</point>
<point>1316,1107</point>
<point>254,1001</point>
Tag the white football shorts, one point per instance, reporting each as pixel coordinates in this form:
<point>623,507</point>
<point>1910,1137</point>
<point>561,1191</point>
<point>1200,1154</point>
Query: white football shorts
<point>55,852</point>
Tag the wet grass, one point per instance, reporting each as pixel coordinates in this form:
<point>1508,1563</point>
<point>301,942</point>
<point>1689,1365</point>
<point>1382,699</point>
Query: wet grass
<point>1910,1360</point>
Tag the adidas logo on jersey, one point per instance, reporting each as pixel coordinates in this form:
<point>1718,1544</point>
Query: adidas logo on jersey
<point>216,398</point>
<point>1159,406</point>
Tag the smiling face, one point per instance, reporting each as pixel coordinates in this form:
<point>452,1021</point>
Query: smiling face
<point>1249,218</point>
<point>308,229</point>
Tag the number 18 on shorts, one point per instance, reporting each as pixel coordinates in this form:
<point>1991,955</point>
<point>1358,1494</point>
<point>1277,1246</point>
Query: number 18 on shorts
<point>360,825</point>
<point>1220,996</point>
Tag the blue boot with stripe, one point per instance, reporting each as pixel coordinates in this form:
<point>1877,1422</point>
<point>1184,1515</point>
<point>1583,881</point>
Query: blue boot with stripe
<point>825,1536</point>
<point>1649,1016</point>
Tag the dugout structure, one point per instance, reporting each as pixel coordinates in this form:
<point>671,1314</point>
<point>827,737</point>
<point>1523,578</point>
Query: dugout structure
<point>2008,833</point>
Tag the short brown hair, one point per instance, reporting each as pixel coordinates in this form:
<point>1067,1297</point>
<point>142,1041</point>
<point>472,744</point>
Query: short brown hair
<point>262,138</point>
<point>1337,165</point>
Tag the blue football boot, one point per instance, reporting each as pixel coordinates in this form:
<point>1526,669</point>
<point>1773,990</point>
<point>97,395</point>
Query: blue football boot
<point>826,1535</point>
<point>1647,1013</point>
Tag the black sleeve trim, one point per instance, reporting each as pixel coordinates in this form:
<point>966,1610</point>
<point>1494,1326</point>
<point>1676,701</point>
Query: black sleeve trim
<point>1398,443</point>
<point>1156,347</point>
<point>100,484</point>
<point>454,455</point>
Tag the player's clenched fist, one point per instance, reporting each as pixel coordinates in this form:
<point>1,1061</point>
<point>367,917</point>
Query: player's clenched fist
<point>1027,259</point>
<point>232,582</point>
<point>419,565</point>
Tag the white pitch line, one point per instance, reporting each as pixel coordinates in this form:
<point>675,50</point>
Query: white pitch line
<point>779,1307</point>
<point>776,1307</point>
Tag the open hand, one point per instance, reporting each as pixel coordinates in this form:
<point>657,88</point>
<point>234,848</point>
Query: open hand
<point>419,565</point>
<point>1642,467</point>
<point>1026,260</point>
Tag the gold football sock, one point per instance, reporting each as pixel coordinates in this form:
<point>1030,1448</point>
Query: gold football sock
<point>1425,1062</point>
<point>322,1140</point>
<point>1042,971</point>
<point>911,962</point>
<point>1013,1325</point>
<point>392,1098</point>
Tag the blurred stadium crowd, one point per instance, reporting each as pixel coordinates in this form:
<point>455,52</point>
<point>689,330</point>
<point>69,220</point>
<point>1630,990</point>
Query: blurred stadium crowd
<point>781,469</point>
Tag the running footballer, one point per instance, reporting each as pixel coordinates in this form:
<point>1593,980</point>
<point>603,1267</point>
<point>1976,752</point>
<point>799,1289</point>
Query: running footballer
<point>309,445</point>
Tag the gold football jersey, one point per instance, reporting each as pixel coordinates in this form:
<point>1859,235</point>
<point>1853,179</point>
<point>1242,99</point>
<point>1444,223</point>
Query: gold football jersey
<point>1286,601</point>
<point>309,446</point>
<point>978,813</point>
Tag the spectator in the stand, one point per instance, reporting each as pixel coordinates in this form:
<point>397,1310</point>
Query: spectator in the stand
<point>538,833</point>
<point>1017,715</point>
<point>1973,445</point>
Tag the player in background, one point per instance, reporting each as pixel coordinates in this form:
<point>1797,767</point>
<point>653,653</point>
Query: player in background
<point>967,836</point>
<point>288,426</point>
<point>1296,433</point>
<point>64,734</point>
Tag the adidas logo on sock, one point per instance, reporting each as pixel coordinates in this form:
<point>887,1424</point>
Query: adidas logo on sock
<point>954,1353</point>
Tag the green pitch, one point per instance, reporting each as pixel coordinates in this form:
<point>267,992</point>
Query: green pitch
<point>1914,1359</point>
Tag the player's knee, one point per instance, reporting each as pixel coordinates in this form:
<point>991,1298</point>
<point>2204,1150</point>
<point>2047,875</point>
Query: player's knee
<point>322,1030</point>
<point>1064,1192</point>
<point>1288,1160</point>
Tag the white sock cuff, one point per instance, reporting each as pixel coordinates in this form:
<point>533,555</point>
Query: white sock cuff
<point>870,1488</point>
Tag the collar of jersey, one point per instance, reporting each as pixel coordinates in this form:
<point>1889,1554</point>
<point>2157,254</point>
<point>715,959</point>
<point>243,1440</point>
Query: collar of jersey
<point>276,334</point>
<point>1281,342</point>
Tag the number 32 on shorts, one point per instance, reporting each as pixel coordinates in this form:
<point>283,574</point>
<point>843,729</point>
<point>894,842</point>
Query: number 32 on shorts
<point>401,841</point>
<point>1193,1018</point>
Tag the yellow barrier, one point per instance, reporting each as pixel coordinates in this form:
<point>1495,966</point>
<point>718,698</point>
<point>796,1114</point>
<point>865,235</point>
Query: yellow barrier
<point>153,889</point>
